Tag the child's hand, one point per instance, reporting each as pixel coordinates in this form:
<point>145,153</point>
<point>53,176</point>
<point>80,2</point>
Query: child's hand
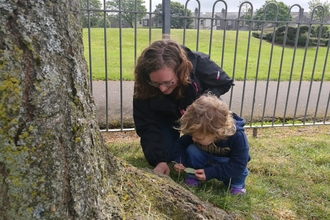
<point>200,174</point>
<point>179,167</point>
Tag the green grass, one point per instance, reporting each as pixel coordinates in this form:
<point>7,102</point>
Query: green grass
<point>289,174</point>
<point>259,65</point>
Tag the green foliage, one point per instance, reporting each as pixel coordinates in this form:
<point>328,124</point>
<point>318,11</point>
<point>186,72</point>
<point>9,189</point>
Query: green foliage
<point>271,7</point>
<point>304,29</point>
<point>291,31</point>
<point>100,23</point>
<point>290,35</point>
<point>177,12</point>
<point>315,7</point>
<point>256,34</point>
<point>128,8</point>
<point>94,16</point>
<point>320,31</point>
<point>269,37</point>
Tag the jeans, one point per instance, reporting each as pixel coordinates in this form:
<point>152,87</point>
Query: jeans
<point>199,159</point>
<point>170,135</point>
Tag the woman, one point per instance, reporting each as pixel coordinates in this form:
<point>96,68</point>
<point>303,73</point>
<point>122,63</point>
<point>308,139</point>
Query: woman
<point>168,78</point>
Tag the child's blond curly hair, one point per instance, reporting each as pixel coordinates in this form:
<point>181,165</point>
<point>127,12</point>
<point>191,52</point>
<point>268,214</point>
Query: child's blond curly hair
<point>209,116</point>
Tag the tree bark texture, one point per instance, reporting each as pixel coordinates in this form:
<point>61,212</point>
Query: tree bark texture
<point>53,161</point>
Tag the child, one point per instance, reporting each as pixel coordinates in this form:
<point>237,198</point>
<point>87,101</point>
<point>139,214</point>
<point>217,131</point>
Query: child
<point>213,143</point>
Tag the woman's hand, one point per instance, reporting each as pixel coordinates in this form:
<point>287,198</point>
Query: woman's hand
<point>200,174</point>
<point>162,168</point>
<point>179,167</point>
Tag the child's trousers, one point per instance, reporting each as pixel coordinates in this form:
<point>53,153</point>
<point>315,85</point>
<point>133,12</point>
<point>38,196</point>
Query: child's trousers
<point>199,159</point>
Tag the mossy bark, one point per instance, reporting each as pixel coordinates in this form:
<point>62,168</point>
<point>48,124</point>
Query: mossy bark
<point>53,161</point>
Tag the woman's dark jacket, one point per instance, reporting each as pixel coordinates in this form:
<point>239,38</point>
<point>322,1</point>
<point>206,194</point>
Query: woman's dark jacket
<point>206,76</point>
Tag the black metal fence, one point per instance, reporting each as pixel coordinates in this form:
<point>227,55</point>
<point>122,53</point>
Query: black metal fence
<point>280,67</point>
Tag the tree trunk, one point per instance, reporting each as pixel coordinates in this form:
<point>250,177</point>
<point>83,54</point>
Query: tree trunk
<point>53,161</point>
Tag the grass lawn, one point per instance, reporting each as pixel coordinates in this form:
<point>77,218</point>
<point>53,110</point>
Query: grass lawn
<point>289,173</point>
<point>257,59</point>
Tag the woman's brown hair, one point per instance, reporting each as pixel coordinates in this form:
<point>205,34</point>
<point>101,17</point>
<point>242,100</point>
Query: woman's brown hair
<point>159,54</point>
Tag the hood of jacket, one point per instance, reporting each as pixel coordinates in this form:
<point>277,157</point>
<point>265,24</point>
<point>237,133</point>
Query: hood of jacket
<point>239,122</point>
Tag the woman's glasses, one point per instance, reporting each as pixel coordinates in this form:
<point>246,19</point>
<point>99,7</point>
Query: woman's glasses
<point>166,84</point>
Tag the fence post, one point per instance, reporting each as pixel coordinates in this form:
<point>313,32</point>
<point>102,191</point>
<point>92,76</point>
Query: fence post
<point>166,26</point>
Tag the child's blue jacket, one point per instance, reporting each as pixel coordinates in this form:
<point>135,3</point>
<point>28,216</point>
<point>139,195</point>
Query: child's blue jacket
<point>238,153</point>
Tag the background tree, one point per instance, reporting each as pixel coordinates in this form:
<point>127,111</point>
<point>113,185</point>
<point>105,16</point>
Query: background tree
<point>245,13</point>
<point>101,23</point>
<point>177,10</point>
<point>283,11</point>
<point>318,11</point>
<point>128,7</point>
<point>94,16</point>
<point>53,161</point>
<point>245,9</point>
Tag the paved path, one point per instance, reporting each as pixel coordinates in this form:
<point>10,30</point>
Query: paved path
<point>241,101</point>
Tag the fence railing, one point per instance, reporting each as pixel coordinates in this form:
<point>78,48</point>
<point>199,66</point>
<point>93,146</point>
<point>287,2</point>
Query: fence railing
<point>280,68</point>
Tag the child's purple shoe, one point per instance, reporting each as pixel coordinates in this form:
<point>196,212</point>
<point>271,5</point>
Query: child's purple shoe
<point>191,181</point>
<point>237,191</point>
